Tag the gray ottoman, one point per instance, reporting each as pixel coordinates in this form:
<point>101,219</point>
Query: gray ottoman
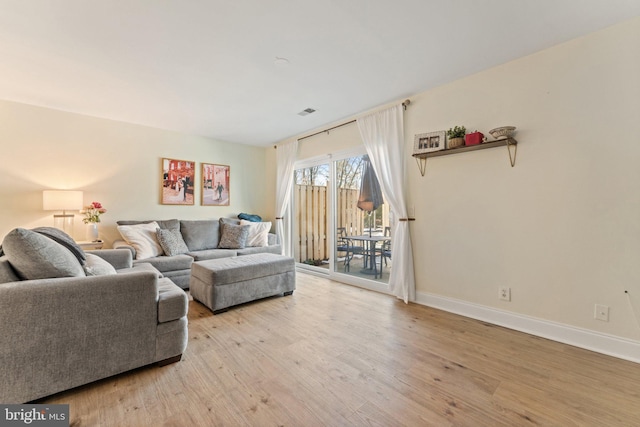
<point>222,283</point>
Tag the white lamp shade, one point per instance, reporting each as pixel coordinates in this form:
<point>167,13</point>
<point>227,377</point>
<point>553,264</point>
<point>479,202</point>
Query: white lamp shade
<point>62,200</point>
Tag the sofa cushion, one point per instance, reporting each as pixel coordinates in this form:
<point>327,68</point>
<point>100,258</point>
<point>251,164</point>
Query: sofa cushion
<point>200,234</point>
<point>271,249</point>
<point>64,239</point>
<point>166,224</point>
<point>231,221</point>
<point>171,241</point>
<point>34,256</point>
<point>141,266</point>
<point>258,233</point>
<point>233,236</point>
<point>96,266</point>
<point>143,238</point>
<point>7,273</point>
<point>273,239</point>
<point>212,254</point>
<point>168,263</point>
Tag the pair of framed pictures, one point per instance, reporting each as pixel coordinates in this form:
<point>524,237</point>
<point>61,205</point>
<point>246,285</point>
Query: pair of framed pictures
<point>428,142</point>
<point>179,183</point>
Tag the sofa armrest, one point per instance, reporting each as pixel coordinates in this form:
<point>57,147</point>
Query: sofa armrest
<point>272,239</point>
<point>62,333</point>
<point>121,244</point>
<point>119,258</point>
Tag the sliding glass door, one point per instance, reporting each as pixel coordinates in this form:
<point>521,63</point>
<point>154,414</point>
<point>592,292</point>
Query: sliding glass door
<point>361,222</point>
<point>338,229</point>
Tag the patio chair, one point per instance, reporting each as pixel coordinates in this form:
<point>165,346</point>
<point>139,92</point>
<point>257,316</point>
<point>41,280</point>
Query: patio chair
<point>385,248</point>
<point>346,245</point>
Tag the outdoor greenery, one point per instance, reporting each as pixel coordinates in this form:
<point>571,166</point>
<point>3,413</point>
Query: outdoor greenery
<point>348,174</point>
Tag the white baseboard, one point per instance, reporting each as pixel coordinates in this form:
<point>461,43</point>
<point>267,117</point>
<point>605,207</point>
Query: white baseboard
<point>601,343</point>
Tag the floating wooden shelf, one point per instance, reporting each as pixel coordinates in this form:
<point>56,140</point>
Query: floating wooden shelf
<point>421,158</point>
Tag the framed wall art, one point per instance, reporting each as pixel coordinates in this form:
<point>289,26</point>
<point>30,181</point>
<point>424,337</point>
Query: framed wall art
<point>428,142</point>
<point>177,182</point>
<point>215,184</point>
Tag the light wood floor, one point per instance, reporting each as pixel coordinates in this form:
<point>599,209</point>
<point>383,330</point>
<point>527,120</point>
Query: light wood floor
<point>335,355</point>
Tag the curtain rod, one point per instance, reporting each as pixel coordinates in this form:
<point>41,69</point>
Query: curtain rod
<point>327,130</point>
<point>404,104</point>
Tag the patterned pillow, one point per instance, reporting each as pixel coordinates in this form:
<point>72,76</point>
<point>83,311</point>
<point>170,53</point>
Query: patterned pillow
<point>233,236</point>
<point>171,241</point>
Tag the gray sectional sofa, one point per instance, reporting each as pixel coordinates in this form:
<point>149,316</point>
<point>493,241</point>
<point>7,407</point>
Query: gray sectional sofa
<point>67,322</point>
<point>202,239</point>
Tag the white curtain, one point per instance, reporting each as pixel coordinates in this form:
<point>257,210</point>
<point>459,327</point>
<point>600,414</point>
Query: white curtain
<point>285,159</point>
<point>383,136</point>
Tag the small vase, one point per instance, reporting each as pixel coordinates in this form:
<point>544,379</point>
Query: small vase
<point>455,142</point>
<point>92,231</point>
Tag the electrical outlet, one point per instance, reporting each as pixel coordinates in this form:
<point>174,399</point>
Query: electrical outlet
<point>601,312</point>
<point>504,293</point>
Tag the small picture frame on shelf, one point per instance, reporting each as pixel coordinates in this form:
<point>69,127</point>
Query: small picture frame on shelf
<point>428,142</point>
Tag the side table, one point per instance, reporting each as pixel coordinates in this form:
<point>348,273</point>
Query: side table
<point>88,245</point>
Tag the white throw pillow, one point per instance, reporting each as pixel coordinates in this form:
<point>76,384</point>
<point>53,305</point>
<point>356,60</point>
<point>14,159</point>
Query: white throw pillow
<point>96,266</point>
<point>143,239</point>
<point>258,233</point>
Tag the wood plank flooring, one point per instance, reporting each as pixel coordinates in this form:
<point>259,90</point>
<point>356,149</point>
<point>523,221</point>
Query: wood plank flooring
<point>336,355</point>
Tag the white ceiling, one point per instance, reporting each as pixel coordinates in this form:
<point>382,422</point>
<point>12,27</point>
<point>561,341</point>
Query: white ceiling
<point>206,67</point>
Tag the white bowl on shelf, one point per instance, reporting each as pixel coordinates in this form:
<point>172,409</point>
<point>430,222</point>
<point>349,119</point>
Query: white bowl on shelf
<point>503,132</point>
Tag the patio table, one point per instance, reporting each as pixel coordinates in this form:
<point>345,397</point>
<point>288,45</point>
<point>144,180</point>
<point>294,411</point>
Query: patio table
<point>370,243</point>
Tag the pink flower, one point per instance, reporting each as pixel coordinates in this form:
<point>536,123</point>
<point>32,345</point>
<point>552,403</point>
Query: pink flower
<point>92,213</point>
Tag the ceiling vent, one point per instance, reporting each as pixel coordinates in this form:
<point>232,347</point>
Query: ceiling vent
<point>306,111</point>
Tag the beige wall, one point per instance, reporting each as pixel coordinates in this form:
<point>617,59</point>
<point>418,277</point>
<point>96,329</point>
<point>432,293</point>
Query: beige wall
<point>561,228</point>
<point>117,164</point>
<point>324,143</point>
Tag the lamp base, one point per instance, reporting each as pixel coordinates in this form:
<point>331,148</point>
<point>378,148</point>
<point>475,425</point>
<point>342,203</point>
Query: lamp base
<point>64,222</point>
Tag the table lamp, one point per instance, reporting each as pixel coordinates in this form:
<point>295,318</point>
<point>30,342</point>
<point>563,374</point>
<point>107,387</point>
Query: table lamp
<point>62,200</point>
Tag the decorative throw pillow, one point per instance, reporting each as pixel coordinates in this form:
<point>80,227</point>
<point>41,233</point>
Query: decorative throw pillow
<point>96,266</point>
<point>258,233</point>
<point>64,239</point>
<point>143,239</point>
<point>171,241</point>
<point>34,256</point>
<point>233,236</point>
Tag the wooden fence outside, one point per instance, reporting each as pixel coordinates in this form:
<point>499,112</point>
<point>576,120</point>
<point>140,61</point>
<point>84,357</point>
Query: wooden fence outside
<point>311,239</point>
